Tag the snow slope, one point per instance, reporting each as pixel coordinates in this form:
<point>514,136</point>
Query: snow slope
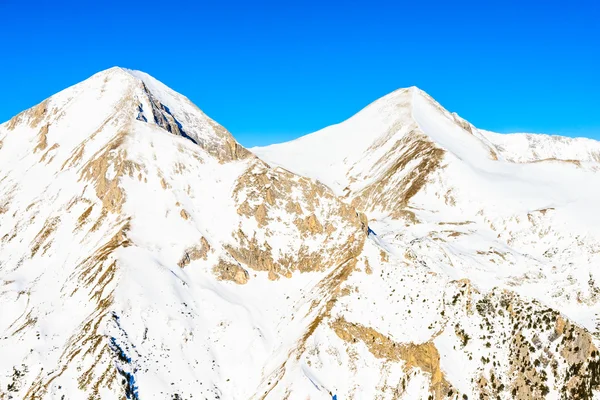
<point>517,211</point>
<point>124,237</point>
<point>145,254</point>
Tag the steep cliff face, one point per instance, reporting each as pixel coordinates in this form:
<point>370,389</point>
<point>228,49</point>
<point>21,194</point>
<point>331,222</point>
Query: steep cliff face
<point>144,253</point>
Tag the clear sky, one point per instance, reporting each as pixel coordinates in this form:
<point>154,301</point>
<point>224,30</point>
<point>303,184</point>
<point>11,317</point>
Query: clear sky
<point>272,71</point>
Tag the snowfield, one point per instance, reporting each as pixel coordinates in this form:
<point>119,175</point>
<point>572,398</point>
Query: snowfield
<point>145,254</point>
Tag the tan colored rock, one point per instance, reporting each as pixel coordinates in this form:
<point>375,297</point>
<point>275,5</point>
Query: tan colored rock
<point>260,214</point>
<point>83,217</point>
<point>384,256</point>
<point>100,220</point>
<point>43,236</point>
<point>368,269</point>
<point>273,276</point>
<point>184,214</point>
<point>253,254</point>
<point>244,209</point>
<point>163,183</point>
<point>261,188</point>
<point>313,224</point>
<point>95,170</point>
<point>37,113</point>
<point>228,271</point>
<point>394,188</point>
<point>329,229</point>
<point>424,356</point>
<point>559,326</point>
<point>309,225</point>
<point>195,252</point>
<point>42,139</point>
<point>270,197</point>
<point>364,222</point>
<point>34,116</point>
<point>75,157</point>
<point>45,155</point>
<point>292,207</point>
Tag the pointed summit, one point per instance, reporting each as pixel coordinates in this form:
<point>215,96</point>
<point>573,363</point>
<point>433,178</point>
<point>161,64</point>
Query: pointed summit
<point>358,151</point>
<point>116,100</point>
<point>124,231</point>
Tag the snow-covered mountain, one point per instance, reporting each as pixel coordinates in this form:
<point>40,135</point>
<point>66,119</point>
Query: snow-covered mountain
<point>516,211</point>
<point>403,253</point>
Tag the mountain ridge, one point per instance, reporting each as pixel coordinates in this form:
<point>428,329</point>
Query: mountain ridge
<point>144,253</point>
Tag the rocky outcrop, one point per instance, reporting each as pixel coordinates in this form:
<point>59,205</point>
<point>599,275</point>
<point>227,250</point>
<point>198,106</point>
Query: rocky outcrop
<point>306,209</point>
<point>230,271</point>
<point>194,253</point>
<point>424,356</point>
<point>408,165</point>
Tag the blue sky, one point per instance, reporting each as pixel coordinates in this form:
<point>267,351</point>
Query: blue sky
<point>272,71</point>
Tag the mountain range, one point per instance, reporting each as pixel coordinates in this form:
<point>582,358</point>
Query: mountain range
<point>401,254</point>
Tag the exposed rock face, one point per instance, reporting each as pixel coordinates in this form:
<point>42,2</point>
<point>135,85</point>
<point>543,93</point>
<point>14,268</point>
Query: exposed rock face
<point>42,139</point>
<point>195,252</point>
<point>423,356</point>
<point>277,198</point>
<point>408,165</point>
<point>228,271</point>
<point>113,156</point>
<point>31,117</point>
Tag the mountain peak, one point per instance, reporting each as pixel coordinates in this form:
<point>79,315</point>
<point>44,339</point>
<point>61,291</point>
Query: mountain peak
<point>402,93</point>
<point>120,237</point>
<point>121,71</point>
<point>363,139</point>
<point>120,98</point>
